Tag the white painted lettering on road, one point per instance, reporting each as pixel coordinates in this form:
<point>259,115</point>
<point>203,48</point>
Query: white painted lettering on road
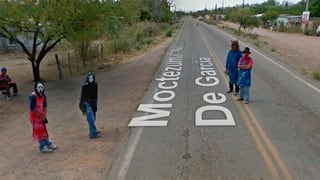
<point>212,98</point>
<point>162,85</point>
<point>166,84</point>
<point>228,121</point>
<point>208,79</point>
<point>170,95</point>
<point>208,73</point>
<point>151,108</point>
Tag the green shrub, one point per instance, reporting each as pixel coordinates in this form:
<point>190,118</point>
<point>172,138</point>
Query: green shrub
<point>257,43</point>
<point>151,30</point>
<point>316,74</point>
<point>138,46</point>
<point>137,34</point>
<point>146,29</point>
<point>238,32</point>
<point>134,37</point>
<point>309,32</point>
<point>147,40</point>
<point>164,26</point>
<point>124,42</point>
<point>169,32</point>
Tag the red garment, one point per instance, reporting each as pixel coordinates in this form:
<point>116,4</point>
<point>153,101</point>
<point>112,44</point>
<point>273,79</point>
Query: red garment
<point>246,61</point>
<point>39,130</point>
<point>5,76</point>
<point>4,80</point>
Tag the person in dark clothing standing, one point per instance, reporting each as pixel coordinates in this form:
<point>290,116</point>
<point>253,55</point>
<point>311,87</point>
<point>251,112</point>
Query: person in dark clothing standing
<point>88,103</point>
<point>233,58</point>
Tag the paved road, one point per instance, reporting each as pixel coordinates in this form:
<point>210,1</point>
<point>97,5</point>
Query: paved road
<point>187,127</point>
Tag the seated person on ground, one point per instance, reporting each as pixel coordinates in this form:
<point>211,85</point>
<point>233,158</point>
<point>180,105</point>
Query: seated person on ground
<point>6,83</point>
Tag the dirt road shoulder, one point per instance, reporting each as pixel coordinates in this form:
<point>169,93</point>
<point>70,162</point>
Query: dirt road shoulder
<point>77,157</point>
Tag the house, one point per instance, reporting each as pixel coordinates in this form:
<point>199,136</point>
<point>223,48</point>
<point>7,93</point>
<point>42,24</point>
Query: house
<point>7,45</point>
<point>288,20</point>
<point>220,17</point>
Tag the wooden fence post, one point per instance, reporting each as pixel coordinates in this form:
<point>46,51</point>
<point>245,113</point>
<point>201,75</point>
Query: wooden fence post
<point>59,67</point>
<point>69,63</point>
<point>101,49</point>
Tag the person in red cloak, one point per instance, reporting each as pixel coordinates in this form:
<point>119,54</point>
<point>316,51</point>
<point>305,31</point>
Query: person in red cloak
<point>38,118</point>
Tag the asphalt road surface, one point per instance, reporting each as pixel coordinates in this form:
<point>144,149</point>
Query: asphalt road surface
<point>188,127</point>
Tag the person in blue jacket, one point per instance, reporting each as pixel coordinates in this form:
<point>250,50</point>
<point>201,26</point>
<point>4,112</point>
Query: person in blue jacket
<point>88,103</point>
<point>244,82</point>
<point>233,58</point>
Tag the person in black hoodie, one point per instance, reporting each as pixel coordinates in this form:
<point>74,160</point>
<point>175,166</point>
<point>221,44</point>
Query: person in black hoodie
<point>88,103</point>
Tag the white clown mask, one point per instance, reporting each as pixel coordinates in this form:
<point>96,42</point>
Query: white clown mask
<point>90,78</point>
<point>40,89</point>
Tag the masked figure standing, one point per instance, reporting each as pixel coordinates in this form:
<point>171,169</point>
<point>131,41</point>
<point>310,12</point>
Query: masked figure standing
<point>88,103</point>
<point>38,118</point>
<point>233,58</point>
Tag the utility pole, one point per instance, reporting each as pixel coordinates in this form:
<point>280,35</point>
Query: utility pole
<point>222,5</point>
<point>306,20</point>
<point>242,3</point>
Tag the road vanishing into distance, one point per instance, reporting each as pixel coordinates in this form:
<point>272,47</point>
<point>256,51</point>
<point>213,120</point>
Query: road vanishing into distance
<point>188,127</point>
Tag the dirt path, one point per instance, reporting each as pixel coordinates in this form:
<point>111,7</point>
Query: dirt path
<point>78,157</point>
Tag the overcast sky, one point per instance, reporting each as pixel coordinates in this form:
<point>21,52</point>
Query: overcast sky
<point>194,5</point>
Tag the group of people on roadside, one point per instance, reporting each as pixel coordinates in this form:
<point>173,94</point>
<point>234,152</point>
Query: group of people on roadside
<point>238,67</point>
<point>38,112</point>
<point>38,107</point>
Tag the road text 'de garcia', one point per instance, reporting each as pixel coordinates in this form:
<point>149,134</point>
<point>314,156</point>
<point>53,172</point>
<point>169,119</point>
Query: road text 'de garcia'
<point>208,79</point>
<point>156,114</point>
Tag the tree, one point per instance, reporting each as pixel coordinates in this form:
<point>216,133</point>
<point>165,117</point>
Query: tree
<point>314,8</point>
<point>130,10</point>
<point>166,14</point>
<point>244,17</point>
<point>269,15</point>
<point>83,22</point>
<point>157,9</point>
<point>28,22</point>
<point>271,3</point>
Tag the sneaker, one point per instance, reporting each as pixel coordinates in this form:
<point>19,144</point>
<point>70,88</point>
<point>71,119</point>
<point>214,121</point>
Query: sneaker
<point>246,102</point>
<point>229,91</point>
<point>8,98</point>
<point>235,93</point>
<point>46,150</point>
<point>95,136</point>
<point>52,146</point>
<point>240,99</point>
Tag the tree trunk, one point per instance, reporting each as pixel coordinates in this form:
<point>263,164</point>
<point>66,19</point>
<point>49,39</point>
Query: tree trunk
<point>83,53</point>
<point>157,9</point>
<point>240,25</point>
<point>36,71</point>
